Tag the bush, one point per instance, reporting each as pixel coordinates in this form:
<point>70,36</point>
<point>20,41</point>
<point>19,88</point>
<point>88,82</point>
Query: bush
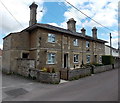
<point>107,59</point>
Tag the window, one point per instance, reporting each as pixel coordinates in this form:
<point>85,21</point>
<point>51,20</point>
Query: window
<point>51,58</point>
<point>100,60</point>
<point>87,44</point>
<point>25,55</point>
<point>75,42</point>
<point>88,58</point>
<point>51,38</point>
<point>76,56</point>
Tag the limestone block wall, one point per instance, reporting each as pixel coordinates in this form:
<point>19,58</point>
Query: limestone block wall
<point>23,66</point>
<point>104,68</point>
<point>44,77</point>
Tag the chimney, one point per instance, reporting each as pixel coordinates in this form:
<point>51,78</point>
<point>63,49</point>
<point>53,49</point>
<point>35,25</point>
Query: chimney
<point>83,31</point>
<point>71,25</point>
<point>94,32</point>
<point>33,9</point>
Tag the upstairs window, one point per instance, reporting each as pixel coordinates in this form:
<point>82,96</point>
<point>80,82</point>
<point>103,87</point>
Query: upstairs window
<point>75,42</point>
<point>51,58</point>
<point>51,38</point>
<point>87,44</point>
<point>88,58</point>
<point>76,56</point>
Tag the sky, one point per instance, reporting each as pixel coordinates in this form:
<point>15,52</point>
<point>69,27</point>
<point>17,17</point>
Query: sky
<point>15,15</point>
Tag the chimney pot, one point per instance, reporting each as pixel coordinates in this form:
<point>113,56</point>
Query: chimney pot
<point>33,12</point>
<point>94,32</point>
<point>83,31</point>
<point>71,25</point>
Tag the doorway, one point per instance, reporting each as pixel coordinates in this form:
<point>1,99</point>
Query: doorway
<point>65,60</point>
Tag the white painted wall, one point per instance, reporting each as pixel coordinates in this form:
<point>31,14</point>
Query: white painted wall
<point>115,52</point>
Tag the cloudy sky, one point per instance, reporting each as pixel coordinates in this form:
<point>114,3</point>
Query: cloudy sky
<point>15,16</point>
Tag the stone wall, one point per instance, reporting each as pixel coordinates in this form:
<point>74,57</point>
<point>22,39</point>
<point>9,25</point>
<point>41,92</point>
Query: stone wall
<point>24,65</point>
<point>104,68</point>
<point>26,68</point>
<point>44,77</point>
<point>78,73</point>
<point>75,73</point>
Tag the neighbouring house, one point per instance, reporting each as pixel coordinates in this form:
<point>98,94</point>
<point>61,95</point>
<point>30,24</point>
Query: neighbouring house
<point>51,46</point>
<point>111,51</point>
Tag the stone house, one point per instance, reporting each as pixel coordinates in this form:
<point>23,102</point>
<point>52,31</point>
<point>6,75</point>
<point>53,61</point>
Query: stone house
<point>51,46</point>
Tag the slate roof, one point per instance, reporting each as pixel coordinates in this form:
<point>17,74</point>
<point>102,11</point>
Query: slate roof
<point>58,29</point>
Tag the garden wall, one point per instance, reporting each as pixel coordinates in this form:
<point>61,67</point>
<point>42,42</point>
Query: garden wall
<point>68,74</point>
<point>104,68</point>
<point>26,68</point>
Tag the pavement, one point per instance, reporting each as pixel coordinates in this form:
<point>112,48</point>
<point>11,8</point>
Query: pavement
<point>99,87</point>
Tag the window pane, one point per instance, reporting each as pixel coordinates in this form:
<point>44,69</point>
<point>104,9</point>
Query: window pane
<point>51,58</point>
<point>51,38</point>
<point>76,58</point>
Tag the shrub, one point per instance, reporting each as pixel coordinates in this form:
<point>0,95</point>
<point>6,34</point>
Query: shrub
<point>107,59</point>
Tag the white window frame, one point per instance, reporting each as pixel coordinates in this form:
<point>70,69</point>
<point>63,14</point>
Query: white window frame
<point>87,44</point>
<point>51,38</point>
<point>75,42</point>
<point>88,58</point>
<point>76,58</point>
<point>52,58</point>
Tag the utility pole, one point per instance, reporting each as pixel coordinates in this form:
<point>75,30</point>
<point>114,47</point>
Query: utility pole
<point>110,44</point>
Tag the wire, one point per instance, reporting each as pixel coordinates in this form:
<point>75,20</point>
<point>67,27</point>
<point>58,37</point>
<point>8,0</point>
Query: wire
<point>88,16</point>
<point>11,14</point>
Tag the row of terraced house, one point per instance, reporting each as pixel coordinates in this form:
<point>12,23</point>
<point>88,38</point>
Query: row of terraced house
<point>51,46</point>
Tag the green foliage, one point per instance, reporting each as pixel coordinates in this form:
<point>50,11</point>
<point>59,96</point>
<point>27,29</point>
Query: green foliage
<point>107,59</point>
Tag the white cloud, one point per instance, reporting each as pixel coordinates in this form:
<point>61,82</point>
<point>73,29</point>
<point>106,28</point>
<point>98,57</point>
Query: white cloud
<point>20,10</point>
<point>103,11</point>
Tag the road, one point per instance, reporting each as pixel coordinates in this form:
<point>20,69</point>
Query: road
<point>99,87</point>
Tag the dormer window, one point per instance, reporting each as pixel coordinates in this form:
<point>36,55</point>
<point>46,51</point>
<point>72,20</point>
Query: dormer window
<point>51,38</point>
<point>75,42</point>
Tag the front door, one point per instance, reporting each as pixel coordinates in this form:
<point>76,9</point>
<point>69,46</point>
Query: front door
<point>95,59</point>
<point>65,60</point>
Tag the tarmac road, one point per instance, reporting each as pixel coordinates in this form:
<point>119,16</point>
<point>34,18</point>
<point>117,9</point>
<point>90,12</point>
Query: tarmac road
<point>99,87</point>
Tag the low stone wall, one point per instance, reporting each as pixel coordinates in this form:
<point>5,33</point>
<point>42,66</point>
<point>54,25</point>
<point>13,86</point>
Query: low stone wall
<point>53,78</point>
<point>24,66</point>
<point>104,68</point>
<point>68,74</point>
<point>78,73</point>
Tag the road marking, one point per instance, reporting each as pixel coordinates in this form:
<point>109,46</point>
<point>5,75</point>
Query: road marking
<point>16,85</point>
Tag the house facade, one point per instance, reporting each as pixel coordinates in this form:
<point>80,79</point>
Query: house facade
<point>51,46</point>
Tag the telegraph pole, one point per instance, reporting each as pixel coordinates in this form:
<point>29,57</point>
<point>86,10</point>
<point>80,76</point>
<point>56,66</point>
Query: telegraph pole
<point>110,44</point>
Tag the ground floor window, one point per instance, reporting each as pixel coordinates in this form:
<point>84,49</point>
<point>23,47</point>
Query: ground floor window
<point>88,58</point>
<point>76,56</point>
<point>100,59</point>
<point>51,58</point>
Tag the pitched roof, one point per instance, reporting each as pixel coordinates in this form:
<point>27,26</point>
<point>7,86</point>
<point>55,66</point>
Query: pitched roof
<point>66,31</point>
<point>58,29</point>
